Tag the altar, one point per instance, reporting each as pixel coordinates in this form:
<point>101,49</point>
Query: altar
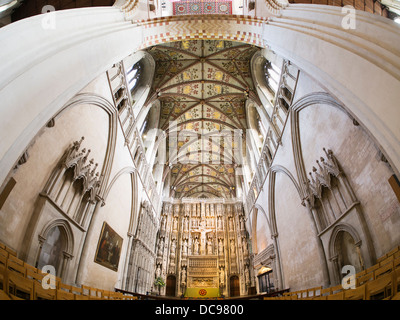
<point>202,245</point>
<point>202,293</point>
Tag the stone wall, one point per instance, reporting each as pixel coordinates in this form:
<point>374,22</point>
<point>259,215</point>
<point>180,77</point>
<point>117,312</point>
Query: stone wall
<point>309,256</point>
<point>35,204</point>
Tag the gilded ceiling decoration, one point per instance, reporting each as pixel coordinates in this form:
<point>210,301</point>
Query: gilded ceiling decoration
<point>203,86</point>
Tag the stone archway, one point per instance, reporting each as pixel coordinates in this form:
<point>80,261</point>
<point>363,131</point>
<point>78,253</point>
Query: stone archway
<point>56,247</point>
<point>345,249</point>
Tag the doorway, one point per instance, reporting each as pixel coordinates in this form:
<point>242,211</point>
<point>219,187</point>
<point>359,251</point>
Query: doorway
<point>234,286</point>
<point>171,284</point>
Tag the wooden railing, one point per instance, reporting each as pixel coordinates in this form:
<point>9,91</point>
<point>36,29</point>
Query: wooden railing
<point>140,296</point>
<point>158,297</point>
<point>379,282</point>
<point>22,281</point>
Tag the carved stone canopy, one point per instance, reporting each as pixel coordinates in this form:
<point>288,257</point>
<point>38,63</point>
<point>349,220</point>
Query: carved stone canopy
<point>77,158</point>
<point>321,176</point>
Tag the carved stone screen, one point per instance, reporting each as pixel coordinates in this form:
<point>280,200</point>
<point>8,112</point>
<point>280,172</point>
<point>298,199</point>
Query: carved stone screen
<point>203,244</point>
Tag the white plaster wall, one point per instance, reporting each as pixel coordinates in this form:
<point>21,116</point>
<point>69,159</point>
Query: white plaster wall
<point>116,213</point>
<point>263,232</point>
<point>306,85</point>
<point>297,241</point>
<point>342,68</point>
<point>74,39</point>
<point>73,123</point>
<point>99,86</point>
<point>323,126</point>
<point>360,161</point>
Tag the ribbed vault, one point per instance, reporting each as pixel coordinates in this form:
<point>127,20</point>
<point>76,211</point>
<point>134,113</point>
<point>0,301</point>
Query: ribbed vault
<point>203,86</point>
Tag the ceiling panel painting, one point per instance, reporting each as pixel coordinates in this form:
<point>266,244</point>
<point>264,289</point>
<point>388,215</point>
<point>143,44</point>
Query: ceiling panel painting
<point>203,86</point>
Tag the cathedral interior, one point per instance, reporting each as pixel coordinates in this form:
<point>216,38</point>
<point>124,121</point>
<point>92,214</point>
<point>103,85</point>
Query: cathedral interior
<point>199,150</point>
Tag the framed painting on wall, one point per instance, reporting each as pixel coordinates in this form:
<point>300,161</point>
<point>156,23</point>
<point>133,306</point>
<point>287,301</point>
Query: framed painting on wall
<point>108,248</point>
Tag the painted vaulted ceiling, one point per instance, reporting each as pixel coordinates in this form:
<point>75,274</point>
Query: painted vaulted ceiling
<point>203,86</point>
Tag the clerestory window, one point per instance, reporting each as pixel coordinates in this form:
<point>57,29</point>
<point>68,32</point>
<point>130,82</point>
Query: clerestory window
<point>272,75</point>
<point>132,76</point>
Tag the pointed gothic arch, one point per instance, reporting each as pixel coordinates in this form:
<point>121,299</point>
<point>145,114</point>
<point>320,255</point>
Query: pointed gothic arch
<point>133,220</point>
<point>272,171</point>
<point>101,102</point>
<point>344,249</point>
<point>368,250</point>
<point>256,211</point>
<point>58,251</point>
<point>302,103</point>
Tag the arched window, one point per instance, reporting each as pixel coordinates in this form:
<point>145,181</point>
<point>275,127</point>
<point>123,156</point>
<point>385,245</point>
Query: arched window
<point>272,75</point>
<point>132,76</point>
<point>262,132</point>
<point>262,128</point>
<point>258,129</point>
<point>144,127</point>
<point>149,128</point>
